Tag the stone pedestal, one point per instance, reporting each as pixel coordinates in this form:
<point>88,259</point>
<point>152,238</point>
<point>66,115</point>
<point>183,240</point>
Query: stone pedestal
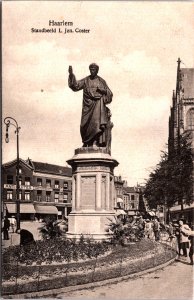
<point>92,193</point>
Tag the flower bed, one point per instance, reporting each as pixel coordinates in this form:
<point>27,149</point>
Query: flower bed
<point>119,262</point>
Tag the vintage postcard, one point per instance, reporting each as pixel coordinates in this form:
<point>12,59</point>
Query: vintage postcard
<point>97,149</point>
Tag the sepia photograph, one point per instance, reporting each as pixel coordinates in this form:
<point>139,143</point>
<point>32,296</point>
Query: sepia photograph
<point>97,177</point>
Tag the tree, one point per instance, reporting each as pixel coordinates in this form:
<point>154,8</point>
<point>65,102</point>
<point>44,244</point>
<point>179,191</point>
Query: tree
<point>172,180</point>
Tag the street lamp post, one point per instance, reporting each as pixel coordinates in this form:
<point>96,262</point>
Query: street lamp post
<point>11,121</point>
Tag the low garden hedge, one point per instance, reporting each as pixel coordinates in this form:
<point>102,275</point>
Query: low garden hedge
<point>119,261</point>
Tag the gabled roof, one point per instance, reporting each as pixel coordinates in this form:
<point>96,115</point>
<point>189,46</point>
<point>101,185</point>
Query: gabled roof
<point>14,162</point>
<point>51,169</point>
<point>128,189</point>
<point>41,167</point>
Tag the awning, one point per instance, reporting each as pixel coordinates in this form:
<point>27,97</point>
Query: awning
<point>46,209</point>
<point>119,200</point>
<point>120,212</point>
<point>25,208</point>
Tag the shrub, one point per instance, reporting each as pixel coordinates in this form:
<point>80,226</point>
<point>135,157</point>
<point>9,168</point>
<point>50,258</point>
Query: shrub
<point>50,229</point>
<point>124,231</point>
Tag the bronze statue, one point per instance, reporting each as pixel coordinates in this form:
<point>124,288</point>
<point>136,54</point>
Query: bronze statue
<point>95,119</point>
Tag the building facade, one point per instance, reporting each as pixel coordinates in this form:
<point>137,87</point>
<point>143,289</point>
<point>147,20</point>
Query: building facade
<point>181,120</point>
<point>44,189</point>
<point>118,197</point>
<point>131,199</point>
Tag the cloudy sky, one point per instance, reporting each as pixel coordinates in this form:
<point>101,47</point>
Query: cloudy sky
<point>136,45</point>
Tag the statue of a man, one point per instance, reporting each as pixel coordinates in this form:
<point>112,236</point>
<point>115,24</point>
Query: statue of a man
<point>96,94</point>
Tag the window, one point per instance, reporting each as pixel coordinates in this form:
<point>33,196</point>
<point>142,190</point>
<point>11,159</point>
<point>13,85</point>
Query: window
<point>20,171</point>
<point>65,185</point>
<point>56,197</point>
<point>65,198</point>
<point>20,195</point>
<point>48,196</point>
<point>27,181</point>
<point>39,195</point>
<point>20,180</point>
<point>9,179</point>
<point>56,184</point>
<point>39,181</point>
<point>190,119</point>
<point>48,183</point>
<point>132,197</point>
<point>27,196</point>
<point>9,195</point>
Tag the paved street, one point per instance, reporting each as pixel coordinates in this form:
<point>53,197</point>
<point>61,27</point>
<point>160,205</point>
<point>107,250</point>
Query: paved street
<point>173,282</point>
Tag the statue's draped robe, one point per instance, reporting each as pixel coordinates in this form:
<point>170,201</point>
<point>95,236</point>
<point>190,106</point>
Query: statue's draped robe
<point>94,113</point>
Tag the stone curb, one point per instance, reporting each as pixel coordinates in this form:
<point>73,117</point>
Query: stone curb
<point>87,285</point>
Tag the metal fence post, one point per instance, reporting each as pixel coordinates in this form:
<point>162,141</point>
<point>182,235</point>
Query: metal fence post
<point>121,261</point>
<point>154,255</point>
<point>16,279</point>
<point>38,282</point>
<point>94,268</point>
<point>66,276</point>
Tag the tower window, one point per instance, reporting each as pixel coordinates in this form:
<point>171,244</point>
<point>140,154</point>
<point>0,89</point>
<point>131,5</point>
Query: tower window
<point>190,119</point>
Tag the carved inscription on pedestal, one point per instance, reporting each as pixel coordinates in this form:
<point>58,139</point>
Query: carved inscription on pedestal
<point>88,192</point>
<point>93,168</point>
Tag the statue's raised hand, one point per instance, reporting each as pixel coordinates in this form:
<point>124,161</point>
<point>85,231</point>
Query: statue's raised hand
<point>70,70</point>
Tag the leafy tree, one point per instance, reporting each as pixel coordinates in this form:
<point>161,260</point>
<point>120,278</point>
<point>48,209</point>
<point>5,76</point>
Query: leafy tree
<point>172,180</point>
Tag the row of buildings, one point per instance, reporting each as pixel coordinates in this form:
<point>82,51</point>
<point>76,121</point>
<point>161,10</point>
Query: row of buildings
<point>43,189</point>
<point>46,189</point>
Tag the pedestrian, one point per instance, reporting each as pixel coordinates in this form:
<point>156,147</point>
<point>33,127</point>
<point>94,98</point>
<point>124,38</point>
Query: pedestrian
<point>6,226</point>
<point>190,233</point>
<point>177,234</point>
<point>26,237</point>
<point>13,223</point>
<point>191,250</point>
<point>184,240</point>
<point>170,230</point>
<point>148,229</point>
<point>156,229</point>
<point>141,222</point>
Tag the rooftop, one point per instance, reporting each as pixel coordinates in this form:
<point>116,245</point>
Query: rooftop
<point>50,168</point>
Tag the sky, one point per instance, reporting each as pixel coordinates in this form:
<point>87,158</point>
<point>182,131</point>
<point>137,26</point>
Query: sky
<point>135,44</point>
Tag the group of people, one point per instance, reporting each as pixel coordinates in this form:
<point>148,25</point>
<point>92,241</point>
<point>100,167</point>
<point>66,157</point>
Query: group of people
<point>181,231</point>
<point>185,238</point>
<point>151,228</point>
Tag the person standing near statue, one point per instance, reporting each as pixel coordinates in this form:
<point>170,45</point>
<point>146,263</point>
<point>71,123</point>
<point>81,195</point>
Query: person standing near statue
<point>95,119</point>
<point>6,226</point>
